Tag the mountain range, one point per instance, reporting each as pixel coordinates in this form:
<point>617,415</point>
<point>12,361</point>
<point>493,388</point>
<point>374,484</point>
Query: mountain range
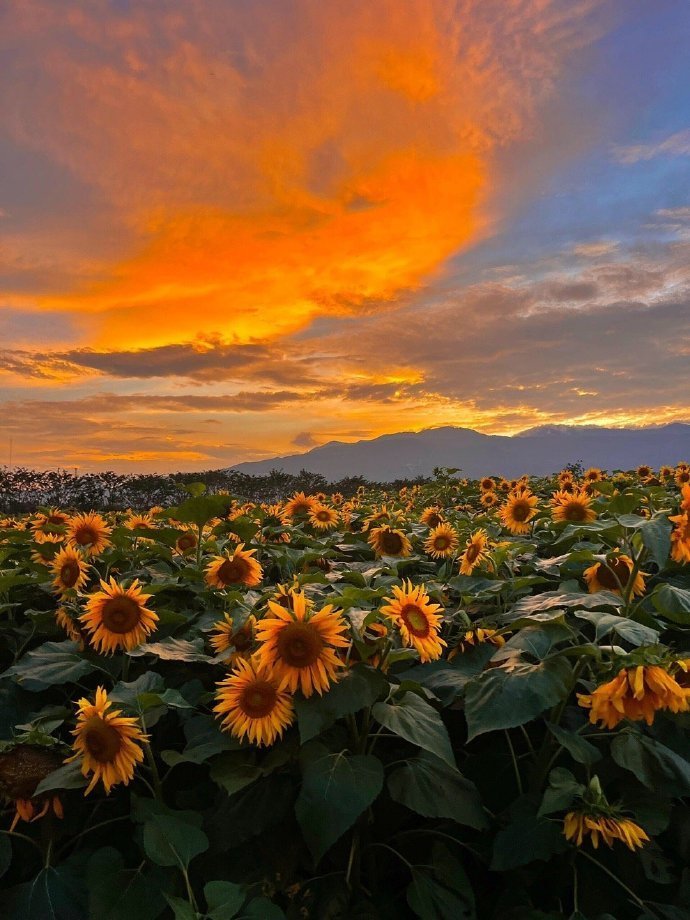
<point>538,451</point>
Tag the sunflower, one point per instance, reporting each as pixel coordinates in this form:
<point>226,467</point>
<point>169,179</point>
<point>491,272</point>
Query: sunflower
<point>432,516</point>
<point>644,471</point>
<point>613,575</point>
<point>108,744</point>
<point>593,474</point>
<point>47,547</point>
<point>489,499</point>
<point>298,645</point>
<point>388,542</point>
<point>300,505</point>
<point>274,516</point>
<point>417,619</point>
<point>475,552</point>
<point>680,537</point>
<point>240,568</point>
<point>70,571</point>
<point>50,522</point>
<point>635,693</point>
<point>578,824</point>
<point>487,484</point>
<point>378,516</point>
<point>117,617</point>
<point>685,498</point>
<point>252,705</point>
<point>225,636</point>
<point>565,476</point>
<point>478,635</point>
<point>442,542</point>
<point>323,518</point>
<point>666,472</point>
<point>518,511</point>
<point>22,768</point>
<point>682,477</point>
<point>71,628</point>
<point>136,521</point>
<point>88,532</point>
<point>186,542</point>
<point>573,507</point>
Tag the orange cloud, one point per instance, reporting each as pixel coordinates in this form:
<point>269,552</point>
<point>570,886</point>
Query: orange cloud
<point>272,163</point>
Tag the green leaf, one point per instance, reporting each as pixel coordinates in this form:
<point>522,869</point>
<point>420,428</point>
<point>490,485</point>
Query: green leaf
<point>223,900</point>
<point>673,603</point>
<point>360,687</point>
<point>654,764</point>
<point>515,693</point>
<point>53,894</point>
<point>579,748</point>
<point>200,509</point>
<point>416,722</point>
<point>336,789</point>
<point>5,854</point>
<point>527,838</point>
<point>170,841</point>
<point>656,536</point>
<point>50,664</point>
<point>431,788</point>
<point>562,790</point>
<point>235,770</point>
<point>116,893</point>
<point>182,910</point>
<point>442,893</point>
<point>632,632</point>
<point>68,776</point>
<point>262,909</point>
<point>173,650</point>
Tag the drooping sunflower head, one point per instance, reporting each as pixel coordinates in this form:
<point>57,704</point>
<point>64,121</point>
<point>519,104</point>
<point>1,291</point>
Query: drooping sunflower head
<point>323,518</point>
<point>107,743</point>
<point>385,541</point>
<point>70,626</point>
<point>117,618</point>
<point>573,507</point>
<point>240,639</point>
<point>186,542</point>
<point>252,705</point>
<point>478,635</point>
<point>88,532</point>
<point>442,542</point>
<point>70,572</point>
<point>299,645</point>
<point>475,552</point>
<point>519,510</point>
<point>613,575</point>
<point>238,568</point>
<point>593,823</point>
<point>417,619</point>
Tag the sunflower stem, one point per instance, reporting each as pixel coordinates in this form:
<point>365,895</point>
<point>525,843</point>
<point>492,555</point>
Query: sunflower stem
<point>516,769</point>
<point>637,900</point>
<point>155,775</point>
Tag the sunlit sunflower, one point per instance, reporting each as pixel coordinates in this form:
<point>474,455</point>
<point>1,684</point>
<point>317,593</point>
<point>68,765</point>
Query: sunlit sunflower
<point>578,824</point>
<point>593,474</point>
<point>107,743</point>
<point>680,537</point>
<point>573,507</point>
<point>489,500</point>
<point>644,471</point>
<point>117,617</point>
<point>70,626</point>
<point>682,476</point>
<point>136,521</point>
<point>487,484</point>
<point>337,498</point>
<point>388,542</point>
<point>252,705</point>
<point>478,635</point>
<point>239,568</point>
<point>432,516</point>
<point>323,518</point>
<point>88,532</point>
<point>225,636</point>
<point>70,572</point>
<point>613,575</point>
<point>442,542</point>
<point>299,645</point>
<point>518,511</point>
<point>186,542</point>
<point>47,546</point>
<point>666,472</point>
<point>274,516</point>
<point>635,693</point>
<point>565,476</point>
<point>300,505</point>
<point>50,522</point>
<point>417,619</point>
<point>475,552</point>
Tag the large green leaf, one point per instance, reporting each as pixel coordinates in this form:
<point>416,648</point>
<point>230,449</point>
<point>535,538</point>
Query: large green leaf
<point>173,650</point>
<point>526,838</point>
<point>53,894</point>
<point>223,900</point>
<point>417,722</point>
<point>171,841</point>
<point>551,600</point>
<point>579,748</point>
<point>442,893</point>
<point>336,789</point>
<point>360,687</point>
<point>654,764</point>
<point>673,603</point>
<point>117,893</point>
<point>430,787</point>
<point>68,776</point>
<point>515,693</point>
<point>50,664</point>
<point>632,632</point>
<point>656,536</point>
<point>201,508</point>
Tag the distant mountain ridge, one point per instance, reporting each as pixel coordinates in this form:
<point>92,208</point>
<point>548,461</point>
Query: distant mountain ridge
<point>538,451</point>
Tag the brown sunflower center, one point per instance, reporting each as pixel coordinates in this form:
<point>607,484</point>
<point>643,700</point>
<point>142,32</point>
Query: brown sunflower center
<point>521,510</point>
<point>101,740</point>
<point>391,543</point>
<point>241,640</point>
<point>683,476</point>
<point>121,614</point>
<point>415,620</point>
<point>232,571</point>
<point>258,699</point>
<point>86,535</point>
<point>69,574</point>
<point>607,575</point>
<point>472,552</point>
<point>299,645</point>
<point>323,516</point>
<point>441,543</point>
<point>434,520</point>
<point>575,511</point>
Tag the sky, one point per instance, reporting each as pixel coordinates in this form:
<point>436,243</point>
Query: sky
<point>235,229</point>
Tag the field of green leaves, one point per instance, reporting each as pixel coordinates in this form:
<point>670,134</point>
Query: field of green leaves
<point>466,699</point>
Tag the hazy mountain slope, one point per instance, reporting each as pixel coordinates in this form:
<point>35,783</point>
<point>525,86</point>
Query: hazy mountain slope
<point>538,451</point>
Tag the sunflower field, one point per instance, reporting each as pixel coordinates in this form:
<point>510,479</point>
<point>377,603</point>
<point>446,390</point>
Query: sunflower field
<point>463,699</point>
